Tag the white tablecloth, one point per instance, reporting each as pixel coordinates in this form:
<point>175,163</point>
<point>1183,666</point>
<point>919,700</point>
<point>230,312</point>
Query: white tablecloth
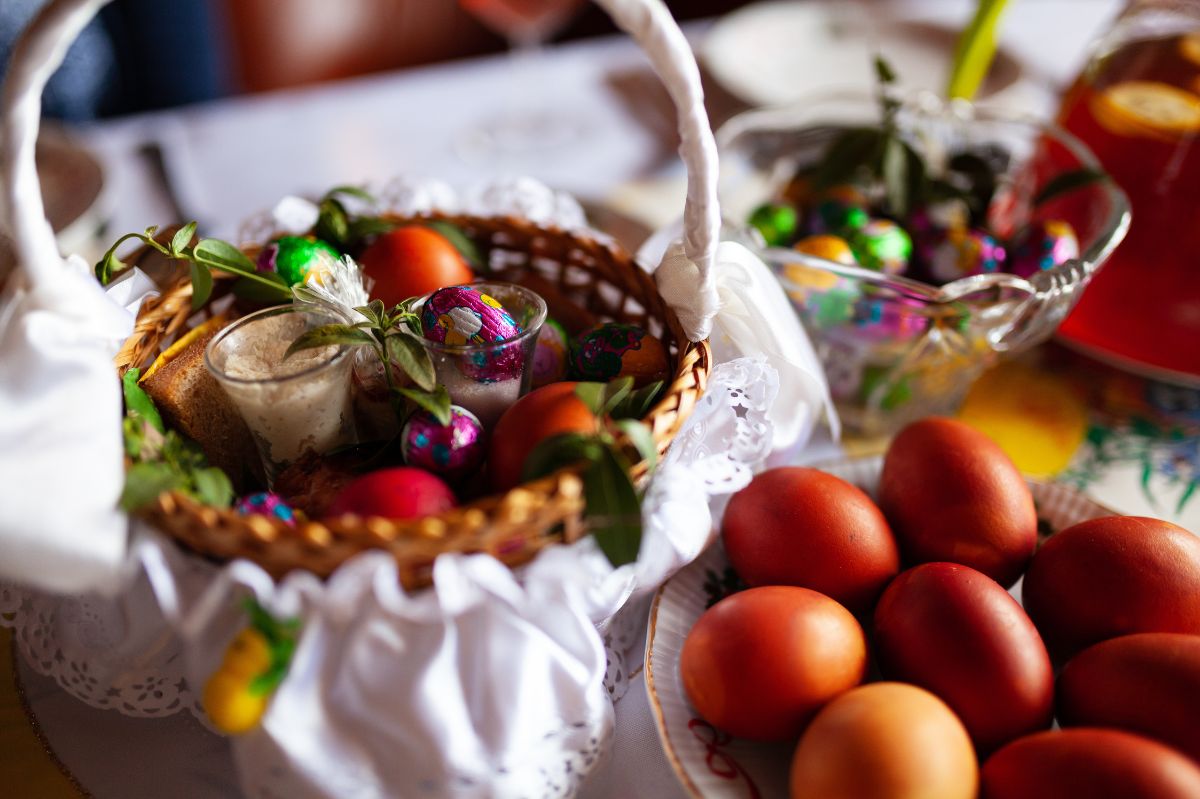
<point>236,157</point>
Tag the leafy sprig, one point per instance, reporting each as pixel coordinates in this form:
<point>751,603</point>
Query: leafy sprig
<point>395,337</point>
<point>163,460</point>
<point>281,638</point>
<point>612,504</point>
<point>202,257</point>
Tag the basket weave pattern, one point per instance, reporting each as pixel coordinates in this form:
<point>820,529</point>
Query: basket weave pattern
<point>593,276</point>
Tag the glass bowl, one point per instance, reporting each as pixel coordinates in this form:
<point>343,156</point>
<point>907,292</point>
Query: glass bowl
<point>894,348</point>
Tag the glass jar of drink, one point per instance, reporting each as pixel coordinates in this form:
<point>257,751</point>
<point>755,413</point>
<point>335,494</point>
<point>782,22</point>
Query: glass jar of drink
<point>1137,106</point>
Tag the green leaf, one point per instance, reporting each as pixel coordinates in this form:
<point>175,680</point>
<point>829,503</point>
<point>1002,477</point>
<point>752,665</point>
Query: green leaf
<point>223,255</point>
<point>615,393</point>
<point>848,153</point>
<point>202,285</point>
<point>350,191</point>
<point>613,511</point>
<point>554,453</point>
<point>642,439</point>
<point>138,402</point>
<point>329,335</point>
<point>212,487</point>
<point>437,402</point>
<point>639,403</point>
<point>454,234</point>
<point>368,226</point>
<point>592,395</point>
<point>333,225</point>
<point>145,481</point>
<point>270,289</point>
<point>406,351</point>
<point>895,176</point>
<point>1069,181</point>
<point>182,238</point>
<point>883,71</point>
<point>975,50</point>
<point>374,313</point>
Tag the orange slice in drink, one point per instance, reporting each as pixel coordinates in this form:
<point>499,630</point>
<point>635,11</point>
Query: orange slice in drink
<point>1189,47</point>
<point>1148,109</point>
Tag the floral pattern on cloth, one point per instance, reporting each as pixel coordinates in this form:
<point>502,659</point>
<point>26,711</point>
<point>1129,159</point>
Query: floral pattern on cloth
<point>1130,442</point>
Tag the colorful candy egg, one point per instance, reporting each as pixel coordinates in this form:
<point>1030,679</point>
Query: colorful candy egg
<point>889,319</point>
<point>615,350</point>
<point>840,210</point>
<point>550,354</point>
<point>1044,245</point>
<point>462,316</point>
<point>882,245</point>
<point>267,504</point>
<point>827,298</point>
<point>962,253</point>
<point>294,258</point>
<point>776,222</point>
<point>451,451</point>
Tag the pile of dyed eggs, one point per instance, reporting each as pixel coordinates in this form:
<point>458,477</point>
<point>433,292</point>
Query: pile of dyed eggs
<point>937,243</point>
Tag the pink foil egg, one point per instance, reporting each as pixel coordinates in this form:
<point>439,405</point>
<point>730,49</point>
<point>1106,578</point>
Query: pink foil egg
<point>462,316</point>
<point>450,451</point>
<point>268,504</point>
<point>1043,246</point>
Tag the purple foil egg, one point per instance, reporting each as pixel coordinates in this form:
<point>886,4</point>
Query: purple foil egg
<point>268,504</point>
<point>962,253</point>
<point>550,354</point>
<point>462,316</point>
<point>451,451</point>
<point>1044,245</point>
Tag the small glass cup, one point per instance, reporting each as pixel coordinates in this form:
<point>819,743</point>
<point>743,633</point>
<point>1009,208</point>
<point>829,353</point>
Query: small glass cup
<point>290,406</point>
<point>487,378</point>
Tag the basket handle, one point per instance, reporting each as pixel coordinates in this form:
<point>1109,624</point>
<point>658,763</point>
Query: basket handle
<point>42,47</point>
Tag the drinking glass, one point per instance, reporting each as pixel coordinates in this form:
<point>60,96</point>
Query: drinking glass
<point>1137,106</point>
<point>487,378</point>
<point>528,124</point>
<point>290,406</point>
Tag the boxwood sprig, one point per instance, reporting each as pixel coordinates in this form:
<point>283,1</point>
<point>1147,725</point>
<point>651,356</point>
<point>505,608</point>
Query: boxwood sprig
<point>395,337</point>
<point>612,503</point>
<point>201,257</point>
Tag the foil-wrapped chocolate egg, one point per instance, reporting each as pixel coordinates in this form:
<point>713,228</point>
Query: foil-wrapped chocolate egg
<point>776,222</point>
<point>1044,245</point>
<point>962,253</point>
<point>614,350</point>
<point>826,298</point>
<point>882,245</point>
<point>840,210</point>
<point>451,451</point>
<point>462,316</point>
<point>550,354</point>
<point>882,319</point>
<point>267,504</point>
<point>294,258</point>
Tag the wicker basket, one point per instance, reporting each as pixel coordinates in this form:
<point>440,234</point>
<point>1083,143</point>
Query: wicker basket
<point>594,275</point>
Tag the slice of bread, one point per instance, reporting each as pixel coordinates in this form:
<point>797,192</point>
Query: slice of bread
<point>191,401</point>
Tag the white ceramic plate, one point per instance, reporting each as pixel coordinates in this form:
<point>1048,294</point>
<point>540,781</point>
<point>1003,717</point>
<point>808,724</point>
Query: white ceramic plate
<point>709,763</point>
<point>773,53</point>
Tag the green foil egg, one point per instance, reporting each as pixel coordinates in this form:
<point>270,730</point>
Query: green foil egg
<point>294,258</point>
<point>777,223</point>
<point>882,245</point>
